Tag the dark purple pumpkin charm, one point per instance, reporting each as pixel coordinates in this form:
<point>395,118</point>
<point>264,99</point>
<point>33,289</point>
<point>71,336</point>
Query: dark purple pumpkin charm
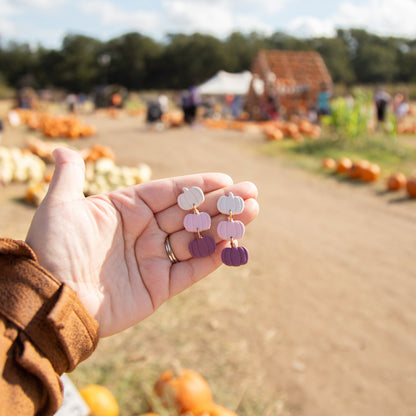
<point>202,247</point>
<point>234,256</point>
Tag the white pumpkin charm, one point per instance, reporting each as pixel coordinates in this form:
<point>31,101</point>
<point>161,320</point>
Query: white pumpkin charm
<point>191,198</point>
<point>232,203</point>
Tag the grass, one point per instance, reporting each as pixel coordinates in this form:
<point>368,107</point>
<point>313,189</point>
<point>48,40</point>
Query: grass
<point>390,152</point>
<point>346,133</point>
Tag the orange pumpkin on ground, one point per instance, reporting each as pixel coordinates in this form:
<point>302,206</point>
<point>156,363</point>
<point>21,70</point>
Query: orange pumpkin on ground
<point>344,165</point>
<point>357,169</point>
<point>100,400</point>
<point>186,391</point>
<point>411,187</point>
<point>149,414</point>
<point>274,134</point>
<point>216,410</point>
<point>328,163</point>
<point>396,181</point>
<point>371,174</point>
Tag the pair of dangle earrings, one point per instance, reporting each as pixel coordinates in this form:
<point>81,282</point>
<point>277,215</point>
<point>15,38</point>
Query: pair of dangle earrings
<point>196,222</point>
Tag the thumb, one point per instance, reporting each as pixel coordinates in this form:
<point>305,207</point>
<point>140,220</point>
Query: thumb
<point>68,178</point>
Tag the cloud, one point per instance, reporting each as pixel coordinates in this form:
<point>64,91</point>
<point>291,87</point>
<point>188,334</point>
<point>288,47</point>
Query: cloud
<point>311,27</point>
<point>110,14</point>
<point>216,17</point>
<point>199,15</point>
<point>383,17</point>
<point>45,4</point>
<point>7,10</point>
<point>380,16</point>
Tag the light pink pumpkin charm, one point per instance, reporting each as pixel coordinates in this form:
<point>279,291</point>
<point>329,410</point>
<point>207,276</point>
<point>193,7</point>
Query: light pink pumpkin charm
<point>197,222</point>
<point>230,229</point>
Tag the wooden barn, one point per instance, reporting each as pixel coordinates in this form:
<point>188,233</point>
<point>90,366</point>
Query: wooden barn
<point>286,83</point>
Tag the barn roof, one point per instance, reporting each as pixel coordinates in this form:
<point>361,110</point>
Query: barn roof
<point>298,67</point>
<point>288,80</point>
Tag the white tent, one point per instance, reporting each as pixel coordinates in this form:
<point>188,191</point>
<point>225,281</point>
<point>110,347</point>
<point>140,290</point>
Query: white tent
<point>226,83</point>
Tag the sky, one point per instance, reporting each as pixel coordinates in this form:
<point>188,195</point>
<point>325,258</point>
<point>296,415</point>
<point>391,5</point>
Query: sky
<point>46,22</point>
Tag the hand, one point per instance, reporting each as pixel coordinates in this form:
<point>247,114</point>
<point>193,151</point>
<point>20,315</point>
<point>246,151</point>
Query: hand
<point>110,248</point>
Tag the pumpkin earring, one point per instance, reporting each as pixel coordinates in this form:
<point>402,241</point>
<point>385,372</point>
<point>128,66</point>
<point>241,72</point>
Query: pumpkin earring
<point>232,230</point>
<point>196,222</point>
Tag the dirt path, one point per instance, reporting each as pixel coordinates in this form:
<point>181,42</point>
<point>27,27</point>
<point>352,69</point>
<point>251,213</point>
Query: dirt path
<point>326,305</point>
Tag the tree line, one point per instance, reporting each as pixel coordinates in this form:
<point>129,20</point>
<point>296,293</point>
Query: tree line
<point>138,62</point>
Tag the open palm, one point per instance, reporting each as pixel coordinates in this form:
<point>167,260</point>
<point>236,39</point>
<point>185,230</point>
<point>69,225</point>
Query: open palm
<point>110,248</point>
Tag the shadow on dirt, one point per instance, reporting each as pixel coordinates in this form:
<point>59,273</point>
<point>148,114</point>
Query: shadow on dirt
<point>402,199</point>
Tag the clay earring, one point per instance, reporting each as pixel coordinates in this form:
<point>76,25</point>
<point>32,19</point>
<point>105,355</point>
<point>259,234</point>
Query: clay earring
<point>196,222</point>
<point>232,230</point>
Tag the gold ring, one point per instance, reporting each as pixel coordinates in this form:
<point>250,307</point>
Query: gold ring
<point>173,259</point>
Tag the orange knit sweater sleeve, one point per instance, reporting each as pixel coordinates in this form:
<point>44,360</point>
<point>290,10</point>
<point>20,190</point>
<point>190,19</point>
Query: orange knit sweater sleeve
<point>44,331</point>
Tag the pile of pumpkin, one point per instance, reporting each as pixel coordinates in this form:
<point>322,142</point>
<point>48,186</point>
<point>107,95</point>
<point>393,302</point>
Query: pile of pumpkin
<point>278,130</point>
<point>102,175</point>
<point>20,165</point>
<point>183,393</point>
<point>273,130</point>
<point>173,118</point>
<point>406,128</point>
<point>54,126</point>
<point>370,172</point>
<point>362,170</point>
<point>240,125</point>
